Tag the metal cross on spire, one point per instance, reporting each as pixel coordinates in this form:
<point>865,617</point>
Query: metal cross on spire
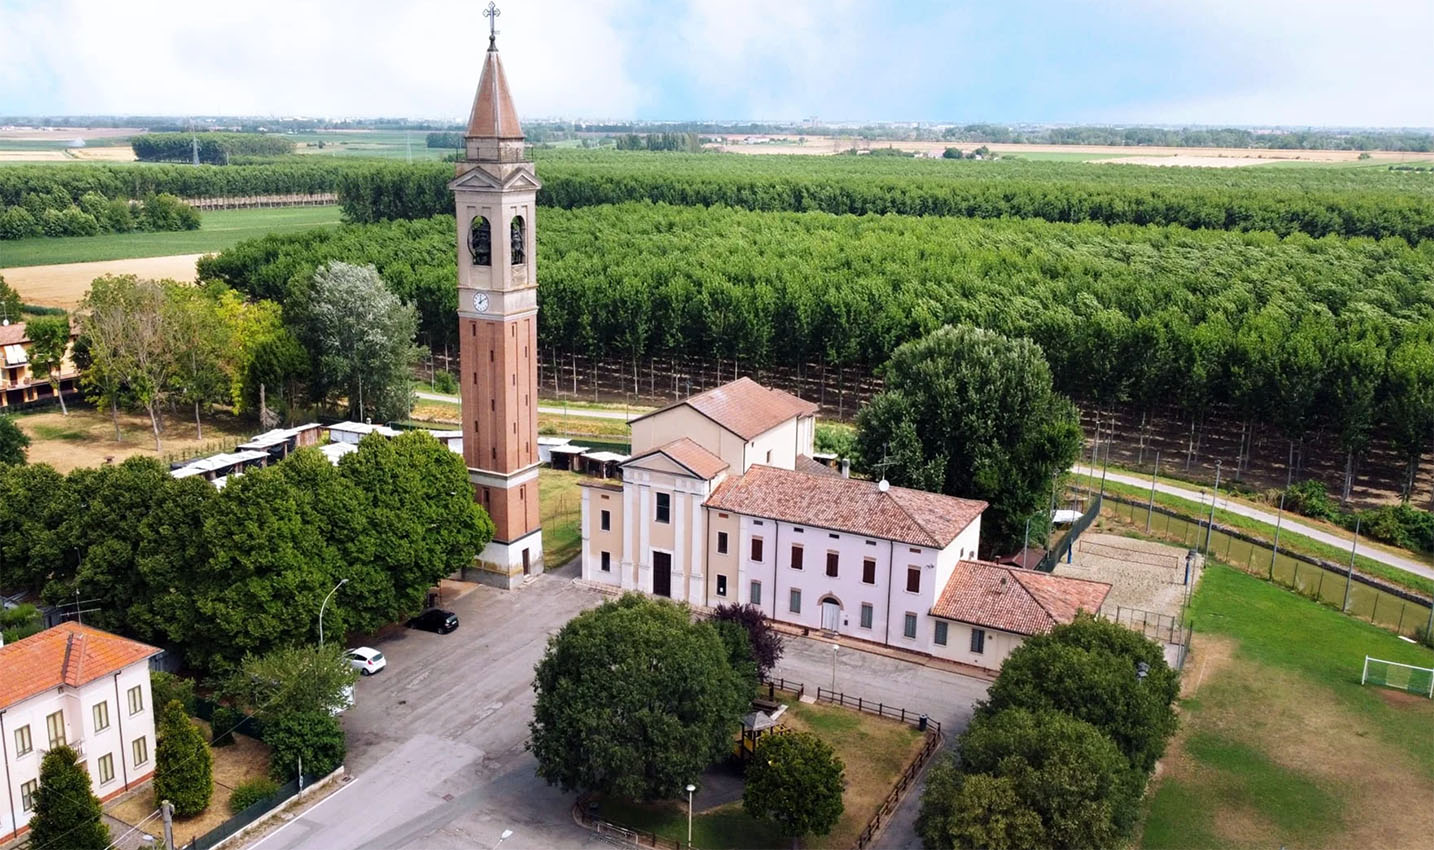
<point>492,13</point>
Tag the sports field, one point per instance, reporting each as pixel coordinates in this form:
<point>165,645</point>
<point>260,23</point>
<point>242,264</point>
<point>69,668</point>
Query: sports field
<point>1279,743</point>
<point>218,230</point>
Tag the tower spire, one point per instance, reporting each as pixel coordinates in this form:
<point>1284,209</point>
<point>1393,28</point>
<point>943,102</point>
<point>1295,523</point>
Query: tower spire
<point>493,115</point>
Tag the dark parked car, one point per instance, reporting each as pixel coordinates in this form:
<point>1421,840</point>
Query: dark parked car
<point>435,620</point>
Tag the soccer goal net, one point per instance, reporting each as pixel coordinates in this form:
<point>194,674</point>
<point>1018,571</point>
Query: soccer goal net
<point>1403,677</point>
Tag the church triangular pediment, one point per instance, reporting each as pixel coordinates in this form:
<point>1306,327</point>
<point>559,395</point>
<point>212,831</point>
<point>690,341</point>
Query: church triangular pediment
<point>482,180</point>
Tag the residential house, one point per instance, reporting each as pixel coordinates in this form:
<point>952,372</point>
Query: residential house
<point>75,685</point>
<point>18,383</point>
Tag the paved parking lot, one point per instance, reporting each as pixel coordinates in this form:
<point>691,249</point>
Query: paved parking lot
<point>436,739</point>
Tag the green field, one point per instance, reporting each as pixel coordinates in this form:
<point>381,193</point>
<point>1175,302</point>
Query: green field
<point>1279,742</point>
<point>373,144</point>
<point>219,230</point>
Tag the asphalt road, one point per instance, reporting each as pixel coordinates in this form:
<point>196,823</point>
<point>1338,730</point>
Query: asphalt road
<point>1289,522</point>
<point>553,410</point>
<point>436,739</point>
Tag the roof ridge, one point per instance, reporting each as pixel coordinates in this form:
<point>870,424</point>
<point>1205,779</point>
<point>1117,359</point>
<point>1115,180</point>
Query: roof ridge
<point>74,651</point>
<point>1035,597</point>
<point>895,501</point>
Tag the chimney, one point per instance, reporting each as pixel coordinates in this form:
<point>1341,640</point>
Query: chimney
<point>846,467</point>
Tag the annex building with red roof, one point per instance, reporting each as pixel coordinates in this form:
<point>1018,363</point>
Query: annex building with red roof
<point>77,686</point>
<point>721,502</point>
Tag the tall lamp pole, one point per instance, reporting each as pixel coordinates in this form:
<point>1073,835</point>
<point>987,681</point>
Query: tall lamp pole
<point>690,789</point>
<point>341,583</point>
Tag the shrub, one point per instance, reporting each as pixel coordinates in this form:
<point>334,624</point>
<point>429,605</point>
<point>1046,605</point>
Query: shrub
<point>444,382</point>
<point>183,765</point>
<point>77,222</point>
<point>251,792</point>
<point>763,642</point>
<point>312,738</point>
<point>223,723</point>
<point>1311,499</point>
<point>52,222</point>
<point>18,223</point>
<point>165,688</point>
<point>67,813</point>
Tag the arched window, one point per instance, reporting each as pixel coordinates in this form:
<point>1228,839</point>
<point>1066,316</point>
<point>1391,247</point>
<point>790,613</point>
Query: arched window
<point>480,242</point>
<point>517,239</point>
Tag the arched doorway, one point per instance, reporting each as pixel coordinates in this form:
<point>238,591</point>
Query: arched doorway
<point>831,614</point>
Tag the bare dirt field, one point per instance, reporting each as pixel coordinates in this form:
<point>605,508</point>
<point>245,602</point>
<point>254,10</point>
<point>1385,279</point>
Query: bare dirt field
<point>63,285</point>
<point>822,145</point>
<point>92,154</point>
<point>1187,159</point>
<point>54,134</point>
<point>87,437</point>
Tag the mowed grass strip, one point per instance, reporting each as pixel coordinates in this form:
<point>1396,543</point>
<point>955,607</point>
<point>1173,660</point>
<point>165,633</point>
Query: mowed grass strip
<point>1279,742</point>
<point>218,230</point>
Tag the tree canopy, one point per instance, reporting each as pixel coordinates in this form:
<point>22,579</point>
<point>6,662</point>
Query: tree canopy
<point>293,679</point>
<point>13,442</point>
<point>795,780</point>
<point>634,699</point>
<point>971,413</point>
<point>67,813</point>
<point>183,764</point>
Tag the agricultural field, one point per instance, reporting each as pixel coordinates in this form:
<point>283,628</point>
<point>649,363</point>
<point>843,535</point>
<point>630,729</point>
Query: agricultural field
<point>369,144</point>
<point>218,229</point>
<point>1279,743</point>
<point>33,145</point>
<point>64,285</point>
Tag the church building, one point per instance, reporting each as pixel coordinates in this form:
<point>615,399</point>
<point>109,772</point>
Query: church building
<point>721,502</point>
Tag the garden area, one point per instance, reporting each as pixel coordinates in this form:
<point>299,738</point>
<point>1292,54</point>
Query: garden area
<point>875,751</point>
<point>1279,742</point>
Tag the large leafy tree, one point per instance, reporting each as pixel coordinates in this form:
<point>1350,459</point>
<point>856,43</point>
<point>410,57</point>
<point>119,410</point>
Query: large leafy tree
<point>972,413</point>
<point>49,342</point>
<point>975,810</point>
<point>10,304</point>
<point>67,813</point>
<point>634,699</point>
<point>293,680</point>
<point>1091,669</point>
<point>131,350</point>
<point>30,551</point>
<point>764,642</point>
<point>183,765</point>
<point>13,442</point>
<point>361,336</point>
<point>795,780</point>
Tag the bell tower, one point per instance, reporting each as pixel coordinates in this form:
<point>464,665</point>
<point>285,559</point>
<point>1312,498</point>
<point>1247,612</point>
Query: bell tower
<point>495,193</point>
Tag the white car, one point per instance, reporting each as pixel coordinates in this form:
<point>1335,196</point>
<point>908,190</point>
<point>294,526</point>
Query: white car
<point>366,660</point>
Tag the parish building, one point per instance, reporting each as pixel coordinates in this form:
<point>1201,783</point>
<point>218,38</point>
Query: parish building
<point>721,502</point>
<point>78,686</point>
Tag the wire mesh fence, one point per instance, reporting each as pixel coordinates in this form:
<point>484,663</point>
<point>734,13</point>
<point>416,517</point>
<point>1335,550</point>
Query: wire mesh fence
<point>1353,592</point>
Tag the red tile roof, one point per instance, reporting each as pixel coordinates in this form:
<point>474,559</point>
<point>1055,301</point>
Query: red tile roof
<point>493,115</point>
<point>1011,599</point>
<point>13,334</point>
<point>67,654</point>
<point>690,455</point>
<point>814,467</point>
<point>845,504</point>
<point>745,407</point>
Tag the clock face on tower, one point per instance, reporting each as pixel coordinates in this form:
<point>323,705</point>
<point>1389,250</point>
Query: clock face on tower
<point>480,302</point>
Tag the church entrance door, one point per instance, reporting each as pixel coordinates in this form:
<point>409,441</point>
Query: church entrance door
<point>662,574</point>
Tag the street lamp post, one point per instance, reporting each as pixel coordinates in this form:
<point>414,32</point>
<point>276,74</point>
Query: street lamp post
<point>341,583</point>
<point>690,789</point>
<point>834,656</point>
<point>507,834</point>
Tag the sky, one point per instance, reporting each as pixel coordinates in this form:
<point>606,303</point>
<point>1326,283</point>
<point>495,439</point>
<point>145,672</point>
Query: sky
<point>1221,62</point>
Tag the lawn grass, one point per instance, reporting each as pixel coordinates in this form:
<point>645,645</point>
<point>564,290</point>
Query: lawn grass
<point>218,230</point>
<point>875,751</point>
<point>87,437</point>
<point>1279,742</point>
<point>560,512</point>
<point>1289,540</point>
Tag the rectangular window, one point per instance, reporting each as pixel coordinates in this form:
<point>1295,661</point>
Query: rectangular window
<point>866,615</point>
<point>910,629</point>
<point>868,571</point>
<point>721,542</point>
<point>607,520</point>
<point>139,749</point>
<point>832,559</point>
<point>940,633</point>
<point>756,548</point>
<point>136,700</point>
<point>756,593</point>
<point>795,606</point>
<point>664,507</point>
<point>796,557</point>
<point>769,458</point>
<point>101,714</point>
<point>607,562</point>
<point>721,585</point>
<point>55,725</point>
<point>913,579</point>
<point>978,640</point>
<point>106,767</point>
<point>22,741</point>
<point>27,795</point>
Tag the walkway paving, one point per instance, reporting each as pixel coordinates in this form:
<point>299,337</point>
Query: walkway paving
<point>1288,522</point>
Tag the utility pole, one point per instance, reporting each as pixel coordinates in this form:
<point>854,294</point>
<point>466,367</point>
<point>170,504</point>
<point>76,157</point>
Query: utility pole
<point>1275,553</point>
<point>1349,576</point>
<point>166,810</point>
<point>1214,497</point>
